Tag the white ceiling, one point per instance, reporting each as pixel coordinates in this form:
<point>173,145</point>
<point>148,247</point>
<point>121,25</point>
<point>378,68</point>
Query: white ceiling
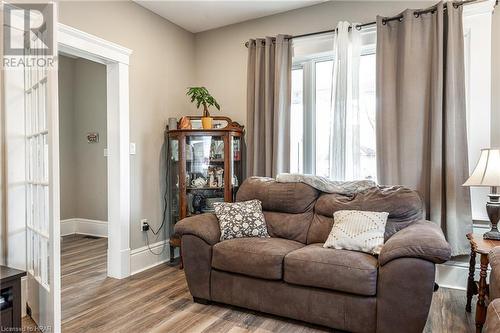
<point>197,16</point>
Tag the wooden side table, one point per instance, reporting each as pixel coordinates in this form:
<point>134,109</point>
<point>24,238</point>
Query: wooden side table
<point>10,289</point>
<point>483,247</point>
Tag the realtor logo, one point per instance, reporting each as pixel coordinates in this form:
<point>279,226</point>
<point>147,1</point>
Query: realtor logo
<point>28,29</point>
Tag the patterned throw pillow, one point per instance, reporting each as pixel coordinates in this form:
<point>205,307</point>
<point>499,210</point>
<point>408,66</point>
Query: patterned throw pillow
<point>240,219</point>
<point>357,230</point>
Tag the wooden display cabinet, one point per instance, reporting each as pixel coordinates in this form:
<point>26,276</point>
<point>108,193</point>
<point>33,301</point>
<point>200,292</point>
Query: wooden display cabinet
<point>204,166</point>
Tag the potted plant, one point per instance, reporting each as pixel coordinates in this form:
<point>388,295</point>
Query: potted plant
<point>203,97</point>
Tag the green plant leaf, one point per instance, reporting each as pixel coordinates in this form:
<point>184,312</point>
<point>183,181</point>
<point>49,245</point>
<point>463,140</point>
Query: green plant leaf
<point>202,96</point>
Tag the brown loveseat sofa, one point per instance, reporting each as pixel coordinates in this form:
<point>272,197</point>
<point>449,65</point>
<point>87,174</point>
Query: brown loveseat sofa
<point>290,274</point>
<point>493,314</point>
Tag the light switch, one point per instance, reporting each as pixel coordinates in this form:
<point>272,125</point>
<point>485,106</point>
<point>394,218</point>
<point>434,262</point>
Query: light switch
<point>132,148</point>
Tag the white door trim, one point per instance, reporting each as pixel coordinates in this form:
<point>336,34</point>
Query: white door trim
<point>116,58</point>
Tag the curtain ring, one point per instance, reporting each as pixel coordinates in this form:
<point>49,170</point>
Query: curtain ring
<point>456,5</point>
<point>384,22</point>
<point>358,27</point>
<point>400,19</point>
<point>416,14</point>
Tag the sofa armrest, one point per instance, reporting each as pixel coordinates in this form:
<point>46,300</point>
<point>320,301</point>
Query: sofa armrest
<point>494,258</point>
<point>204,226</point>
<point>492,324</point>
<point>423,240</point>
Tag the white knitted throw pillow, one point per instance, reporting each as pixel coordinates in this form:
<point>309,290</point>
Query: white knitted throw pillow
<point>357,230</point>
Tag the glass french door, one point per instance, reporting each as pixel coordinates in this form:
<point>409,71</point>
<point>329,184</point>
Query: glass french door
<point>42,195</point>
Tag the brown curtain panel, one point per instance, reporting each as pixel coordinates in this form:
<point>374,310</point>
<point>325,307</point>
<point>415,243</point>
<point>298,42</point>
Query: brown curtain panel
<point>421,115</point>
<point>268,106</point>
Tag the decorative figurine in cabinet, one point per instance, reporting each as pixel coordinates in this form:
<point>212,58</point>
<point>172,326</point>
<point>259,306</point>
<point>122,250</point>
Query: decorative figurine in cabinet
<point>204,166</point>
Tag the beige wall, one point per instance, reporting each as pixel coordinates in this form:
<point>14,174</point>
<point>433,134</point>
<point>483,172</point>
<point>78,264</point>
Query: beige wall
<point>221,57</point>
<point>495,69</point>
<point>161,67</point>
<point>66,137</point>
<point>90,116</point>
<point>82,109</point>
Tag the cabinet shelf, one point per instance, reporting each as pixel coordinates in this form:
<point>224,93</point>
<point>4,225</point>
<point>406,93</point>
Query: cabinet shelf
<point>204,162</point>
<point>216,160</point>
<point>190,188</point>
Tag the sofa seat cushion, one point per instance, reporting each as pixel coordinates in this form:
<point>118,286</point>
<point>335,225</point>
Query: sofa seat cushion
<point>340,270</point>
<point>257,257</point>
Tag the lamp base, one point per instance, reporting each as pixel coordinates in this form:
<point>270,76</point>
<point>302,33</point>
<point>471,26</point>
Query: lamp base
<point>493,210</point>
<point>492,234</point>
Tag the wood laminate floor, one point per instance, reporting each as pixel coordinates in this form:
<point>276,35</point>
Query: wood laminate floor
<point>158,300</point>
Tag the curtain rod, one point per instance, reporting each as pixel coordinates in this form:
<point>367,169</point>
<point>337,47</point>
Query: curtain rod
<point>384,21</point>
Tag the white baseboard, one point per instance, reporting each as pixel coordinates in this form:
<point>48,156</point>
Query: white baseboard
<point>453,274</point>
<point>142,259</point>
<point>84,227</point>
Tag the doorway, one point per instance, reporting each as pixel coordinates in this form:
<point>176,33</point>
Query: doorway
<point>82,153</point>
<point>115,58</point>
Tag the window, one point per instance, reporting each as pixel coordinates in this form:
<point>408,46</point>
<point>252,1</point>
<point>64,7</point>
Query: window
<point>297,118</point>
<point>310,116</point>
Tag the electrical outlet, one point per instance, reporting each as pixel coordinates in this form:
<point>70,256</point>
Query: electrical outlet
<point>144,225</point>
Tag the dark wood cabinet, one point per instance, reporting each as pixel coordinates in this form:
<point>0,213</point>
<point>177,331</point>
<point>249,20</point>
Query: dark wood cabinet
<point>10,299</point>
<point>204,166</point>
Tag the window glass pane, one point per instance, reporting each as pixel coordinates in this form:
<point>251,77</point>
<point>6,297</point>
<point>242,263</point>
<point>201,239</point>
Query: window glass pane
<point>367,107</point>
<point>297,121</point>
<point>323,101</point>
<point>361,163</point>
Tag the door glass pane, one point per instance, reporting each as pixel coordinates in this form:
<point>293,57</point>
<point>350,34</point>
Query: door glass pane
<point>45,159</point>
<point>42,106</point>
<point>36,207</point>
<point>46,218</point>
<point>28,202</point>
<point>29,115</point>
<point>29,162</point>
<point>34,106</point>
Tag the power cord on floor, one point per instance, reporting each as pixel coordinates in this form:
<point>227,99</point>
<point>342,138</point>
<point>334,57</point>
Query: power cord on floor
<point>151,250</point>
<point>164,215</point>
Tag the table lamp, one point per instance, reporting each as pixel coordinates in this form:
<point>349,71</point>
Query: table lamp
<point>487,173</point>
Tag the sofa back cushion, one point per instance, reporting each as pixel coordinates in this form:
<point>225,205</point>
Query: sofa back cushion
<point>288,207</point>
<point>291,198</point>
<point>403,205</point>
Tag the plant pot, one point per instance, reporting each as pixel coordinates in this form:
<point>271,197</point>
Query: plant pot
<point>206,122</point>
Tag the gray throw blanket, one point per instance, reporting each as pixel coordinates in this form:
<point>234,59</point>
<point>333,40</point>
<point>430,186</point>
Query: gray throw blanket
<point>326,185</point>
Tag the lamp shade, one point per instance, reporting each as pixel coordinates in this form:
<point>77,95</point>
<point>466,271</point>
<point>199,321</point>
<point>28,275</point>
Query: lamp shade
<point>487,170</point>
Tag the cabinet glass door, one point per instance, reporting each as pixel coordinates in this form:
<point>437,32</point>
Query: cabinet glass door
<point>204,173</point>
<point>236,165</point>
<point>173,181</point>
